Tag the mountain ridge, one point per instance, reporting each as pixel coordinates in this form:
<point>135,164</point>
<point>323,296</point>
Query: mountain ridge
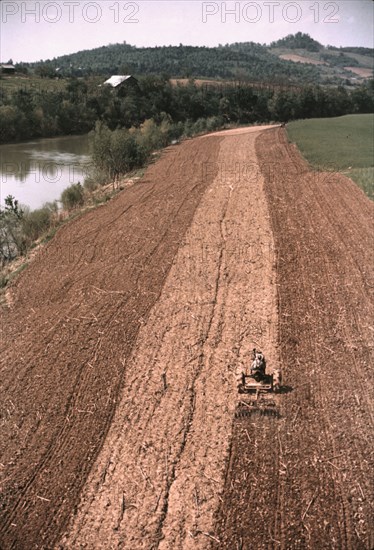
<point>244,61</point>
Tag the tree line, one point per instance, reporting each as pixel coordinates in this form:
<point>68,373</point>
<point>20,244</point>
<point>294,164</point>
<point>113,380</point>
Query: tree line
<point>30,113</point>
<point>246,60</point>
<point>298,41</point>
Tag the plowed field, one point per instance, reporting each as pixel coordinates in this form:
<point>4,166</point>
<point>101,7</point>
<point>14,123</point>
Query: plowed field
<point>306,480</point>
<point>122,342</point>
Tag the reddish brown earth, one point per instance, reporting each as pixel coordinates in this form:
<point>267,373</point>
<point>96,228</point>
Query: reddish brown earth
<point>301,59</point>
<point>306,480</point>
<point>157,481</point>
<point>73,322</point>
<point>121,345</point>
<point>361,71</point>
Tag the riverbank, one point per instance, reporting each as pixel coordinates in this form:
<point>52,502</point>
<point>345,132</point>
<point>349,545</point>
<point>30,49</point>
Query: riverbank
<point>114,153</point>
<point>77,199</point>
<point>93,199</point>
<point>38,171</point>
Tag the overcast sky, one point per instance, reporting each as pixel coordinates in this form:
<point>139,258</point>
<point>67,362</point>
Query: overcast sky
<point>34,30</point>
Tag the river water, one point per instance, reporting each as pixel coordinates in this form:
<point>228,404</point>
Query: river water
<point>36,172</point>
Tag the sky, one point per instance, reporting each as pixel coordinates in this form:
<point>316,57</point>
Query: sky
<point>34,30</point>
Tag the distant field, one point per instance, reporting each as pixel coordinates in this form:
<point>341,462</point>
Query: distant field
<point>343,143</point>
<point>301,59</point>
<point>284,53</point>
<point>364,60</point>
<point>13,83</point>
<point>287,53</point>
<point>360,71</point>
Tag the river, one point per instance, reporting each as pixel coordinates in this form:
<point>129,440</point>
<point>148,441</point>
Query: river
<point>36,172</point>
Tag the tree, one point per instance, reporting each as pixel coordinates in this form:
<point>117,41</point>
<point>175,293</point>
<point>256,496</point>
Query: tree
<point>363,99</point>
<point>282,106</point>
<point>72,196</point>
<point>10,118</point>
<point>45,71</point>
<point>117,152</point>
<point>12,242</point>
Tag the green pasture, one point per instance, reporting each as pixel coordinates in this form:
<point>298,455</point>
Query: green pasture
<point>10,84</point>
<point>344,144</point>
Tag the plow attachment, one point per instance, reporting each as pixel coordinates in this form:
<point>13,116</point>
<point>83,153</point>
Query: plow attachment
<point>262,407</point>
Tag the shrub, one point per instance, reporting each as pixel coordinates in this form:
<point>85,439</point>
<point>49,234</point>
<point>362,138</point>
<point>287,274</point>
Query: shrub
<point>176,131</point>
<point>12,241</point>
<point>199,126</point>
<point>95,178</point>
<point>72,196</point>
<point>90,184</point>
<point>37,222</point>
<point>214,123</point>
<point>150,136</point>
<point>119,151</point>
<point>3,280</point>
<point>188,128</point>
<point>126,152</point>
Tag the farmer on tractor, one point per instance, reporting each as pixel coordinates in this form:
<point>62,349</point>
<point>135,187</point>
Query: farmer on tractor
<point>258,366</point>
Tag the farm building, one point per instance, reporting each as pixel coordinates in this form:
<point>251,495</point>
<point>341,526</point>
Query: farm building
<point>121,81</point>
<point>7,69</point>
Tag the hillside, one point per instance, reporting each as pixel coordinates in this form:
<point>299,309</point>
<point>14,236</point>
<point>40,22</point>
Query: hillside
<point>350,64</point>
<point>244,61</point>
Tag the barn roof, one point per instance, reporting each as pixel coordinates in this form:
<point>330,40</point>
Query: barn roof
<point>7,66</point>
<point>116,80</point>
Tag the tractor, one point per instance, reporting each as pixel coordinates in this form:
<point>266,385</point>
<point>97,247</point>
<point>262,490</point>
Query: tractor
<point>257,387</point>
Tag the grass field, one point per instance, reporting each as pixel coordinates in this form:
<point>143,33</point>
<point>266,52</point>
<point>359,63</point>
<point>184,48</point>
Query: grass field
<point>13,83</point>
<point>344,144</point>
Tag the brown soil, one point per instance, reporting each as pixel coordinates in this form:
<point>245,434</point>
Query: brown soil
<point>305,481</point>
<point>122,344</point>
<point>361,71</point>
<point>76,313</point>
<point>301,59</point>
<point>158,479</point>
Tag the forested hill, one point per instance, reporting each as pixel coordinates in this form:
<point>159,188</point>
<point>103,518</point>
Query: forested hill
<point>295,59</point>
<point>245,60</point>
<point>305,42</point>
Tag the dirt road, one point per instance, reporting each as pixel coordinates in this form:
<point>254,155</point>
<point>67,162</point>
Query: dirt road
<point>120,351</point>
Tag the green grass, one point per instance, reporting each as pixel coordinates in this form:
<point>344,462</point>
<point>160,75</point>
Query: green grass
<point>363,60</point>
<point>11,84</point>
<point>344,144</point>
<point>364,177</point>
